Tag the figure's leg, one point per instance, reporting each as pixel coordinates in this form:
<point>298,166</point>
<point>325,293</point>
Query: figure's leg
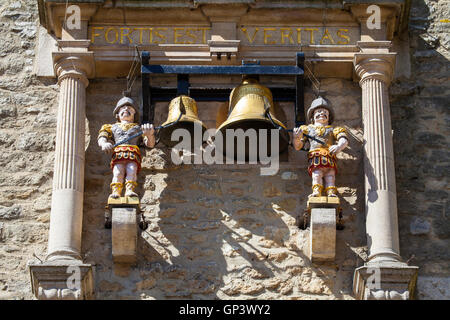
<point>117,181</point>
<point>330,186</point>
<point>317,182</point>
<point>131,179</point>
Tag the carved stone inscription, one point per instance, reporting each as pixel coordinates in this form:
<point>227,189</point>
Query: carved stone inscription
<point>248,35</point>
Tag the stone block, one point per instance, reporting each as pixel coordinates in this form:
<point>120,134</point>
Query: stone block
<point>385,281</point>
<point>62,280</point>
<point>124,234</point>
<point>322,234</point>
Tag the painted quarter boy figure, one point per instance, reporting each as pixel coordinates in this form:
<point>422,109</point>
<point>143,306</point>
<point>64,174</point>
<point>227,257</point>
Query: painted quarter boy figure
<point>126,157</point>
<point>322,157</point>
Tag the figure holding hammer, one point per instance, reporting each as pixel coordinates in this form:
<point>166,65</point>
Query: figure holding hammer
<point>126,156</point>
<point>325,143</point>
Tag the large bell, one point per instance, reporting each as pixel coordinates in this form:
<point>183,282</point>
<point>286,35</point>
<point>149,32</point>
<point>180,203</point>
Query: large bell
<point>251,107</point>
<point>182,114</point>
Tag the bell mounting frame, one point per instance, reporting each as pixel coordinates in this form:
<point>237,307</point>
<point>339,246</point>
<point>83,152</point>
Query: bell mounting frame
<point>150,95</point>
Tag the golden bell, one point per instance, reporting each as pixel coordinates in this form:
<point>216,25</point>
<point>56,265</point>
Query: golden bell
<point>182,114</point>
<point>247,109</point>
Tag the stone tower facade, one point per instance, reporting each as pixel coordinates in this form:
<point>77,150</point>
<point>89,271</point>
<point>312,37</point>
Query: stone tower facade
<point>224,231</point>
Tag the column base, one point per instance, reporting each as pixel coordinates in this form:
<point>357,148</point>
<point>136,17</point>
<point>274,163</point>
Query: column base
<point>62,280</point>
<point>385,281</point>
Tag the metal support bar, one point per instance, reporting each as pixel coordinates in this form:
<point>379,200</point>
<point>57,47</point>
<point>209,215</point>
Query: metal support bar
<point>209,94</point>
<point>228,70</point>
<point>299,85</point>
<point>148,111</point>
<point>183,84</point>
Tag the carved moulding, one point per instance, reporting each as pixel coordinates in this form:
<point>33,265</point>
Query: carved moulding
<point>62,280</point>
<point>385,281</point>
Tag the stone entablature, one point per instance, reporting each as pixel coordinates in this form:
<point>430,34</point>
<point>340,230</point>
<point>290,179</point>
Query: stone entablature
<point>186,32</point>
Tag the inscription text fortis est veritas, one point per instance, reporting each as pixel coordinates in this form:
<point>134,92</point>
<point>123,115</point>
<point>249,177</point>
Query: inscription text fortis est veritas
<point>249,35</point>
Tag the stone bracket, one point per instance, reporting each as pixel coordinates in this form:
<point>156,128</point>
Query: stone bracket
<point>324,215</point>
<point>385,281</point>
<point>322,238</point>
<point>62,280</point>
<point>124,221</point>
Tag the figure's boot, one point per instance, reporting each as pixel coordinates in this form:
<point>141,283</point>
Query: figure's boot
<point>331,191</point>
<point>129,188</point>
<point>116,190</point>
<point>317,190</point>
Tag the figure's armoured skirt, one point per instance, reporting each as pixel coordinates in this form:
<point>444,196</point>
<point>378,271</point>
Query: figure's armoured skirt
<point>126,153</point>
<point>321,158</point>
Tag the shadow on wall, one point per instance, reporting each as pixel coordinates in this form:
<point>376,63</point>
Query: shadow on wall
<point>219,232</point>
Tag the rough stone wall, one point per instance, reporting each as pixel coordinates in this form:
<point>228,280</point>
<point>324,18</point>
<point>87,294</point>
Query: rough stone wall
<point>420,120</point>
<point>224,231</point>
<point>27,138</point>
<point>217,231</point>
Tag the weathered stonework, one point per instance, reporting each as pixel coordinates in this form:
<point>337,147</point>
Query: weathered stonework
<point>228,233</point>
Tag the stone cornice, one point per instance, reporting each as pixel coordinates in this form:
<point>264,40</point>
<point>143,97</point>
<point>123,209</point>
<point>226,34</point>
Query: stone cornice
<point>52,12</point>
<point>104,15</point>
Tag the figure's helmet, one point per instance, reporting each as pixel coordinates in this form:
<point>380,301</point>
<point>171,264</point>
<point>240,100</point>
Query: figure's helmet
<point>320,103</point>
<point>125,101</point>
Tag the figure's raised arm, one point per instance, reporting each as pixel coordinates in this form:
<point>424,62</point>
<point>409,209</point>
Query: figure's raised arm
<point>298,135</point>
<point>148,132</point>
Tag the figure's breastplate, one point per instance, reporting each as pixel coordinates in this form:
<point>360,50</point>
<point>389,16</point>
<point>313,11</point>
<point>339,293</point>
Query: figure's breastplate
<point>120,133</point>
<point>322,133</point>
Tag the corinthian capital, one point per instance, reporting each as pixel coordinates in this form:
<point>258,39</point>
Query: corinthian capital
<point>73,60</point>
<point>374,61</point>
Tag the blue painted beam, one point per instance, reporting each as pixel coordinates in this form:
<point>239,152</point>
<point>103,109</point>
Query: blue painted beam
<point>225,70</point>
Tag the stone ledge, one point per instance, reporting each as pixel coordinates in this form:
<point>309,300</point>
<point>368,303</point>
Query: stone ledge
<point>57,280</point>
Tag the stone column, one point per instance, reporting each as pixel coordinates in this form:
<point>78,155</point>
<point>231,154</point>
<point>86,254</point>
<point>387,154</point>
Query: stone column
<point>374,65</point>
<point>63,275</point>
<point>68,177</point>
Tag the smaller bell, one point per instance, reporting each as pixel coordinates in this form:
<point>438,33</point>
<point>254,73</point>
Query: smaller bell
<point>183,113</point>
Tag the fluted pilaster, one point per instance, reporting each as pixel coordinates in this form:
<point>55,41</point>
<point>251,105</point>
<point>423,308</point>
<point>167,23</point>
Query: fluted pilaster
<point>68,178</point>
<point>375,72</point>
<point>384,275</point>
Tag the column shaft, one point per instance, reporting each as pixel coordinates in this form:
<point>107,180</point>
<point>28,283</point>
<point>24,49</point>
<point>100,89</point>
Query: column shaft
<point>381,200</point>
<point>68,178</point>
